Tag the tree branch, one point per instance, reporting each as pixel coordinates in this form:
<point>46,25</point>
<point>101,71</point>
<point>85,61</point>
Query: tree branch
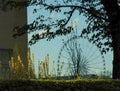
<point>70,16</point>
<point>75,7</point>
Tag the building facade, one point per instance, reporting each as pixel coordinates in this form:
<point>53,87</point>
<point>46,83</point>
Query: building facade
<point>8,20</point>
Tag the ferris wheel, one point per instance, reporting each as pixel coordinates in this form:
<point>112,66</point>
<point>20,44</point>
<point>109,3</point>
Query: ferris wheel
<point>79,56</point>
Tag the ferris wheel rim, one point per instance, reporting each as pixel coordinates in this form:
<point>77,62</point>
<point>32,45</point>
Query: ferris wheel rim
<point>77,37</point>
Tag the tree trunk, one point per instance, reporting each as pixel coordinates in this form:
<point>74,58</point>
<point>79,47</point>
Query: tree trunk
<point>116,59</point>
<point>113,13</point>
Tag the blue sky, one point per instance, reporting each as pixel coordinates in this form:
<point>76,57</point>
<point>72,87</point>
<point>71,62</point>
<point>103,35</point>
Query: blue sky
<point>41,48</point>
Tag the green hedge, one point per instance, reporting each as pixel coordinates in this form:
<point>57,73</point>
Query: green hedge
<point>60,85</point>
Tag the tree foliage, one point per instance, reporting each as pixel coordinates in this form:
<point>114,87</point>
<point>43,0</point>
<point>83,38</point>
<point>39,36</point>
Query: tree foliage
<point>102,19</point>
<point>97,30</point>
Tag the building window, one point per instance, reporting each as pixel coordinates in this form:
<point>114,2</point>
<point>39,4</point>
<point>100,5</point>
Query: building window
<point>5,55</point>
<point>2,5</point>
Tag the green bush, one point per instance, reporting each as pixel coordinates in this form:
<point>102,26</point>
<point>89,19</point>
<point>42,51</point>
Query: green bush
<point>60,85</point>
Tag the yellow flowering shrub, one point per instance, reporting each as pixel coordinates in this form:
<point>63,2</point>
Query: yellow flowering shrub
<point>17,68</point>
